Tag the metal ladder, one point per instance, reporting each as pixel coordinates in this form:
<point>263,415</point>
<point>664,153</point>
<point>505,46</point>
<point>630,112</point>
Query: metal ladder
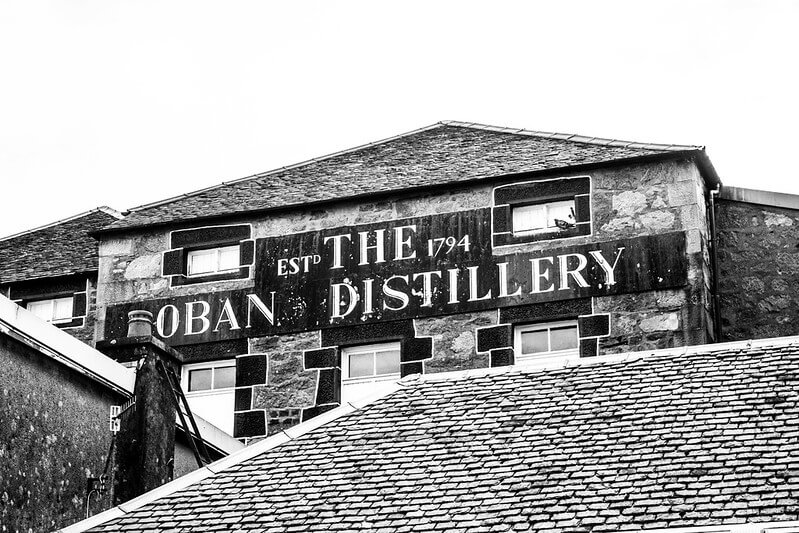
<point>186,418</point>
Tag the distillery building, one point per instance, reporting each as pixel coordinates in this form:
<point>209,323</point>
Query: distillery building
<point>468,327</point>
<point>453,247</point>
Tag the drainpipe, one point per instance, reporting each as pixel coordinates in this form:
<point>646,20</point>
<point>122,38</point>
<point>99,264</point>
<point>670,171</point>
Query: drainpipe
<point>714,265</point>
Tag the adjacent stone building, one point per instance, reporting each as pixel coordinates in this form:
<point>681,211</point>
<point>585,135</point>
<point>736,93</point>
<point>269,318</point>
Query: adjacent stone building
<point>57,448</point>
<point>52,270</point>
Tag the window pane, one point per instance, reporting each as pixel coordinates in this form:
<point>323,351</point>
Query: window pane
<point>534,341</point>
<point>42,309</point>
<point>229,258</point>
<point>564,338</point>
<point>529,217</point>
<point>62,308</point>
<point>200,379</point>
<point>224,377</point>
<point>202,261</point>
<point>361,364</point>
<point>387,362</point>
<point>563,211</point>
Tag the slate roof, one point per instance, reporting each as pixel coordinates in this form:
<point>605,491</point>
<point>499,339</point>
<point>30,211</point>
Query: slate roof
<point>58,249</point>
<point>698,436</point>
<point>447,152</point>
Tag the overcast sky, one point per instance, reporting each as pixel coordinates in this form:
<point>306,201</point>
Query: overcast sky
<point>104,102</point>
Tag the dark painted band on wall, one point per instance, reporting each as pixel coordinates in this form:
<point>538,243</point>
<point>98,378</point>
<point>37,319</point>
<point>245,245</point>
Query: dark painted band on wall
<point>424,266</point>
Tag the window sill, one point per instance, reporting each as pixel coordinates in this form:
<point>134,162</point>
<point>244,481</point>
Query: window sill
<point>371,379</point>
<point>242,273</point>
<point>508,239</point>
<point>68,323</point>
<point>210,392</point>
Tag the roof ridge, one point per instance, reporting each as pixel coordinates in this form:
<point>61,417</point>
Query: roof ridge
<point>285,167</point>
<point>303,428</point>
<point>102,209</point>
<point>573,137</point>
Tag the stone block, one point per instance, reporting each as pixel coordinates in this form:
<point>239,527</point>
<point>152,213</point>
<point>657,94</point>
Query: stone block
<point>500,336</point>
<point>594,325</point>
<point>251,370</point>
<point>501,357</point>
<point>144,267</point>
<point>628,203</point>
<point>407,369</point>
<point>328,389</point>
<point>589,347</point>
<point>249,424</point>
<point>691,217</point>
<point>416,349</point>
<point>243,399</point>
<point>682,193</point>
<point>657,221</point>
<point>322,358</point>
<point>777,219</point>
<point>661,322</point>
<point>316,410</point>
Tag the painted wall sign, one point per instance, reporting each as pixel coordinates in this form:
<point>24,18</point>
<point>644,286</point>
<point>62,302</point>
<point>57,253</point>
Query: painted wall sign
<point>415,267</point>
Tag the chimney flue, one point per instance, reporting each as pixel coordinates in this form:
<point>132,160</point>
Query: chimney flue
<point>140,323</point>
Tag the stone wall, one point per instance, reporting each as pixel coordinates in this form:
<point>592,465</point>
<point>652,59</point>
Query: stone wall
<point>758,260</point>
<point>53,435</point>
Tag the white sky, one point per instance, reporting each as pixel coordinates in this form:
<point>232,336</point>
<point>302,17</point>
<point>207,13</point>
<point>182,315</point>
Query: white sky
<point>104,102</point>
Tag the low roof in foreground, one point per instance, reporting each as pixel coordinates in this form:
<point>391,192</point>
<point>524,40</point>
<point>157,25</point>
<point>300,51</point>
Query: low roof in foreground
<point>698,436</point>
<point>444,153</point>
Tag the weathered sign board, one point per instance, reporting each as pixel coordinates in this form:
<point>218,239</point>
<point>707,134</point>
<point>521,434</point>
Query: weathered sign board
<point>414,267</point>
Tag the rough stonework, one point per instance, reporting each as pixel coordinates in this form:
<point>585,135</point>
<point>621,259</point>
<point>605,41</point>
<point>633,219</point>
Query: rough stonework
<point>758,258</point>
<point>53,435</point>
<point>643,321</point>
<point>288,386</point>
<point>454,340</point>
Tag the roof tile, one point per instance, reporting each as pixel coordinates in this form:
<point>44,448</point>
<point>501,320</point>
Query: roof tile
<point>485,456</point>
<point>58,249</point>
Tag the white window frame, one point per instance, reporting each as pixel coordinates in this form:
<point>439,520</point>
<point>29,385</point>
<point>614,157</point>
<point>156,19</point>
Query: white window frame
<point>217,252</point>
<point>546,206</point>
<point>52,301</point>
<point>213,365</point>
<point>377,347</point>
<point>548,356</point>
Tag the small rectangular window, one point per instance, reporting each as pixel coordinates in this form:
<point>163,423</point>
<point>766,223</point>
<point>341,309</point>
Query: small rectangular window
<point>543,342</point>
<point>210,378</point>
<point>52,310</point>
<point>224,377</point>
<point>374,360</point>
<point>541,210</point>
<point>210,391</point>
<point>550,216</point>
<point>213,260</point>
<point>200,379</point>
<point>366,368</point>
